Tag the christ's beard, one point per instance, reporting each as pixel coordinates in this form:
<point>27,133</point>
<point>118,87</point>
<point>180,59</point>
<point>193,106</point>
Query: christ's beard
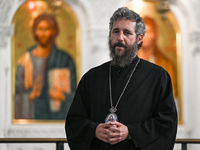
<point>45,43</point>
<point>124,59</point>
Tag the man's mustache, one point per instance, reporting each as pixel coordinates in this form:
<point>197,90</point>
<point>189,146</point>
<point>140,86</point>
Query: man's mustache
<point>119,44</point>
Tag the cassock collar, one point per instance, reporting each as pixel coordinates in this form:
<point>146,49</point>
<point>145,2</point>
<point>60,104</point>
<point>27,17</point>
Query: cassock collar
<point>118,69</point>
<point>120,78</point>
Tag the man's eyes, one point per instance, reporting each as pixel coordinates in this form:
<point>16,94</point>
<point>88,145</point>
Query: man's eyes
<point>127,32</point>
<point>115,31</point>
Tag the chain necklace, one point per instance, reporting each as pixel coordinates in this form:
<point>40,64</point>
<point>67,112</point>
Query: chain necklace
<point>112,116</point>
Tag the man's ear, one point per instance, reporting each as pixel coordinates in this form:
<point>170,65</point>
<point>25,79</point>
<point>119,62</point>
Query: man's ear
<point>140,38</point>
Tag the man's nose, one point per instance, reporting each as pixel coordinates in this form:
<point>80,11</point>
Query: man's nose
<point>121,37</point>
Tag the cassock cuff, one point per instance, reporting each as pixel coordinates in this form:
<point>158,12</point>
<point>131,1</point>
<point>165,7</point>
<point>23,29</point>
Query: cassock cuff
<point>130,138</point>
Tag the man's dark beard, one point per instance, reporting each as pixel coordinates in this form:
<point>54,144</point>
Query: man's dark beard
<point>126,58</point>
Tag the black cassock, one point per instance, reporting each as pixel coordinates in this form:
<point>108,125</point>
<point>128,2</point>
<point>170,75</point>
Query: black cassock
<point>147,108</point>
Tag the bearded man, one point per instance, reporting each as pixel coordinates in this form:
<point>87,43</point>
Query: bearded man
<point>136,93</point>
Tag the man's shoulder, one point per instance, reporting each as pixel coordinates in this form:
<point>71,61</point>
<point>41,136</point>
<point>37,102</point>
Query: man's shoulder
<point>150,65</point>
<point>98,70</point>
<point>100,67</point>
<point>96,73</point>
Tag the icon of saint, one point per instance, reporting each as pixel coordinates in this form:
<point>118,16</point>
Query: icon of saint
<point>46,75</point>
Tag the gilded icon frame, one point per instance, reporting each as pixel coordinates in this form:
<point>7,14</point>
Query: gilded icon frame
<point>68,39</point>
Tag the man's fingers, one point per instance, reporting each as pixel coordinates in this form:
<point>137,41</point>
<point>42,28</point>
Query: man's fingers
<point>102,132</point>
<point>114,140</point>
<point>112,133</point>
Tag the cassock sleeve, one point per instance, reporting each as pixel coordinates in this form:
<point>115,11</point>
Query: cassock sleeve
<point>79,129</point>
<point>159,131</point>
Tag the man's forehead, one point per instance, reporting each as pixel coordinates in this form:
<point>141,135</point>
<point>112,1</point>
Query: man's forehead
<point>124,23</point>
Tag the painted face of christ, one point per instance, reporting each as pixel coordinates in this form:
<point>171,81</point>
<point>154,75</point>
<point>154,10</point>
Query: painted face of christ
<point>44,33</point>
